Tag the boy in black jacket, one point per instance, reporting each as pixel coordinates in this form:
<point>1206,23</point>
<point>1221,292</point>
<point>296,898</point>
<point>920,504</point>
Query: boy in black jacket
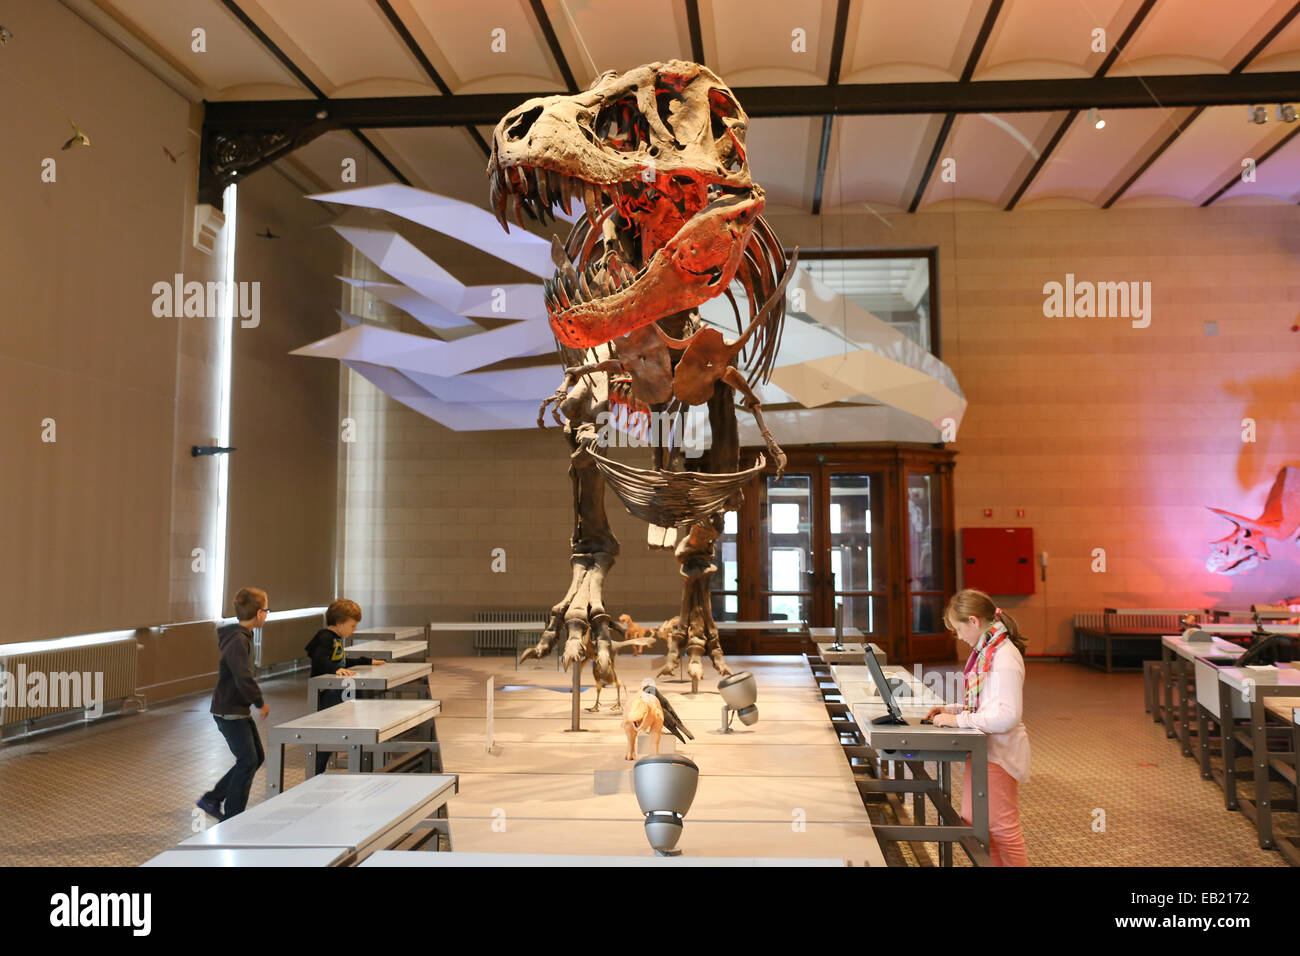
<point>328,657</point>
<point>236,689</point>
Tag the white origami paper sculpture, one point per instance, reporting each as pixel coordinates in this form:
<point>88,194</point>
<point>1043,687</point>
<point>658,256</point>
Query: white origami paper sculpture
<point>853,377</point>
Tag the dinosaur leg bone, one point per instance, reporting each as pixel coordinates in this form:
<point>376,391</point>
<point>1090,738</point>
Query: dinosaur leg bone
<point>737,381</point>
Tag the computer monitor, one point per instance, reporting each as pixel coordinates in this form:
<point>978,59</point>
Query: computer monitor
<point>839,628</point>
<point>895,715</point>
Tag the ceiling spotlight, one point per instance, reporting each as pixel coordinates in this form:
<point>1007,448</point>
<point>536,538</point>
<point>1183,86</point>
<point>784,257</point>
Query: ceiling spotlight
<point>1286,112</point>
<point>1096,120</point>
<point>322,114</point>
<point>1257,114</point>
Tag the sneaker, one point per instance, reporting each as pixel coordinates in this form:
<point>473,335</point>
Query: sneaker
<point>210,808</point>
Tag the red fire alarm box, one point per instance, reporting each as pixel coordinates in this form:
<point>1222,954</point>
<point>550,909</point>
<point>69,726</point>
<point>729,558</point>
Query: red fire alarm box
<point>998,560</point>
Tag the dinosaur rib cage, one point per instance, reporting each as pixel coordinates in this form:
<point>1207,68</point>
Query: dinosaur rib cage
<point>670,499</point>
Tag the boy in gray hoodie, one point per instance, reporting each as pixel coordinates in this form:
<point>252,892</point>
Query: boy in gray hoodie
<point>236,689</point>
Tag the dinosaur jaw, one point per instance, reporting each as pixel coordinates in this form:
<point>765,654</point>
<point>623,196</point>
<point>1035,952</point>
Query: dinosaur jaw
<point>692,267</point>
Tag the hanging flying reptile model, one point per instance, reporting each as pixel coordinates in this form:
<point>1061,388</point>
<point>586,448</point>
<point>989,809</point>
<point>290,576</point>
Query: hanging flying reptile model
<point>657,157</point>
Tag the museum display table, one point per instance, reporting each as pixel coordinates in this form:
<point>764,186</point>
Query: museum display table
<point>1179,655</point>
<point>276,856</point>
<point>390,650</point>
<point>1227,695</point>
<point>415,632</point>
<point>849,653</point>
<point>915,744</point>
<point>1278,712</point>
<point>375,681</point>
<point>400,858</point>
<point>352,726</point>
<point>353,813</point>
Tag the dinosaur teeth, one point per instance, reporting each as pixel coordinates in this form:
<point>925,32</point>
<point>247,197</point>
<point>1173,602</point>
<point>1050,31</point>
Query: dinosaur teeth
<point>592,202</point>
<point>566,192</point>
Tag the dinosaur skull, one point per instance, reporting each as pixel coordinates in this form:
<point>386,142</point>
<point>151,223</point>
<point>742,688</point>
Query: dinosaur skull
<point>657,156</point>
<point>1238,552</point>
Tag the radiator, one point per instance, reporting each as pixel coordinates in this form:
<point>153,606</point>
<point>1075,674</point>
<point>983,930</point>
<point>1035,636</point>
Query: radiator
<point>115,661</point>
<point>507,640</point>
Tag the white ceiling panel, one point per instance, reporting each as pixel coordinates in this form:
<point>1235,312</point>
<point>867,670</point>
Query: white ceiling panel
<point>603,40</point>
<point>481,60</point>
<point>1203,158</point>
<point>754,42</point>
<point>782,155</point>
<point>876,160</point>
<point>1033,39</point>
<point>1192,36</point>
<point>884,45</point>
<point>1089,164</point>
<point>1282,53</point>
<point>993,155</point>
<point>1278,177</point>
<point>321,38</point>
<point>235,65</point>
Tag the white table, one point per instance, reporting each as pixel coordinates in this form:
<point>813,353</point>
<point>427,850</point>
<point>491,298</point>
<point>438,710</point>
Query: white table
<point>849,653</point>
<point>389,650</point>
<point>828,633</point>
<point>350,726</point>
<point>1292,630</point>
<point>373,679</point>
<point>401,858</point>
<point>1226,694</point>
<point>357,813</point>
<point>279,856</point>
<point>412,633</point>
<point>1179,656</point>
<point>915,744</point>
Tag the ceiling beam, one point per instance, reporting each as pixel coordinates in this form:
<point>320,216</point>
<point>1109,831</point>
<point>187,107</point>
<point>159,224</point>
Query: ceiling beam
<point>846,99</point>
<point>430,70</point>
<point>972,61</point>
<point>697,34</point>
<point>553,42</point>
<point>1106,64</point>
<point>832,79</point>
<point>1253,52</point>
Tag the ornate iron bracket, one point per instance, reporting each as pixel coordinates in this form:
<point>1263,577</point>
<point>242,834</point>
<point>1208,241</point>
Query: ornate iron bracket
<point>230,151</point>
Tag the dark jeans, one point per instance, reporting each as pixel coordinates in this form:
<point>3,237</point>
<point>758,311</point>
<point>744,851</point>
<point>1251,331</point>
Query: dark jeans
<point>327,698</point>
<point>246,744</point>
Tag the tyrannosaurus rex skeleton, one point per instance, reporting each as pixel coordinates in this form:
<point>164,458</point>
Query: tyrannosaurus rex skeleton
<point>672,220</point>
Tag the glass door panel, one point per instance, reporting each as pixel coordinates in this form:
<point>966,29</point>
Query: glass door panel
<point>724,585</point>
<point>785,553</point>
<point>925,565</point>
<point>859,557</point>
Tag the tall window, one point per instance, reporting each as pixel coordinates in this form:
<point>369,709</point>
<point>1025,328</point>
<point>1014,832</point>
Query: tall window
<point>894,285</point>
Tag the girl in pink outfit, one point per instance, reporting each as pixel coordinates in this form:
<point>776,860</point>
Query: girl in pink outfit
<point>995,680</point>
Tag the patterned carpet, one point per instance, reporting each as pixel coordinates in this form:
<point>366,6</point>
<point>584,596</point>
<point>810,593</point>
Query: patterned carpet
<point>122,790</point>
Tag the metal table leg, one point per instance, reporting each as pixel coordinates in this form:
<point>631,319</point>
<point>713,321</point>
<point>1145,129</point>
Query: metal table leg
<point>1227,747</point>
<point>274,764</point>
<point>1171,665</point>
<point>1263,805</point>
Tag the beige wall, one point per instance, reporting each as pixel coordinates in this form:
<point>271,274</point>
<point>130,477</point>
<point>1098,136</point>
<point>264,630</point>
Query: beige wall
<point>1109,436</point>
<point>101,524</point>
<point>88,518</point>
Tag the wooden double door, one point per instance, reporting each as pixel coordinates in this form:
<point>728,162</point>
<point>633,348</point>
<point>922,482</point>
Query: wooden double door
<point>867,527</point>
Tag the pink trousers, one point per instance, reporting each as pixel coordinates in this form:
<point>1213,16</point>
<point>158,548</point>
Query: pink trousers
<point>1006,842</point>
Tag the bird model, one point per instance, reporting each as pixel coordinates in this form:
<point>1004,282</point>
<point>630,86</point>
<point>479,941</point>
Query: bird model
<point>649,713</point>
<point>78,137</point>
